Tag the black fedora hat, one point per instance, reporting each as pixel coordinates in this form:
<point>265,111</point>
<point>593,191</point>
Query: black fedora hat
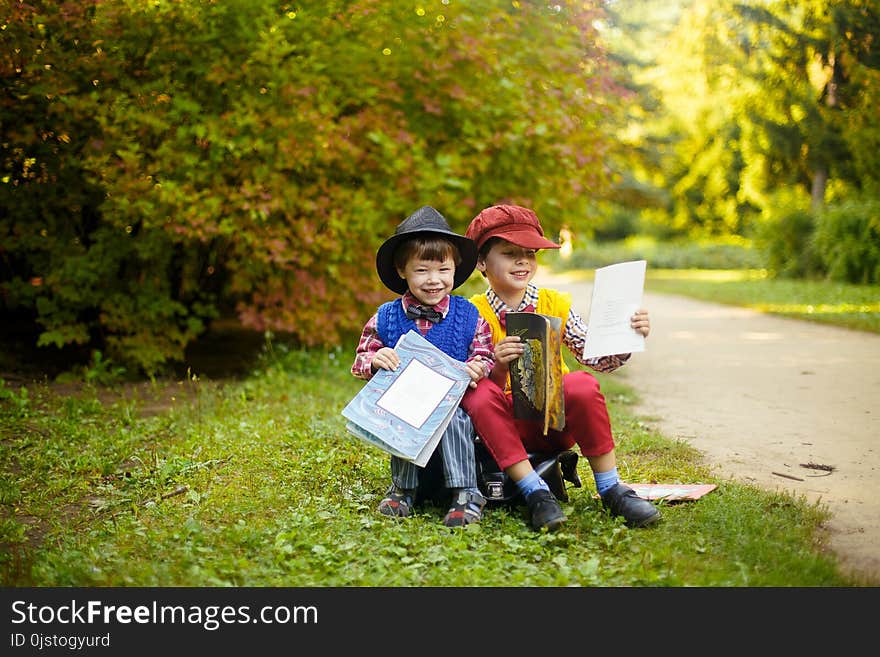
<point>424,221</point>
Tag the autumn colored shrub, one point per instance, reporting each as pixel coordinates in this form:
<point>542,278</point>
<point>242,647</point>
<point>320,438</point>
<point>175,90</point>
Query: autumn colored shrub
<point>168,163</point>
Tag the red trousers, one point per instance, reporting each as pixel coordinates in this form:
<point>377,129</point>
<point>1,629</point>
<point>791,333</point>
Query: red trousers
<point>509,439</point>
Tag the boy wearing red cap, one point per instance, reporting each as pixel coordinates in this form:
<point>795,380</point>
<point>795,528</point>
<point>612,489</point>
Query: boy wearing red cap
<point>508,238</point>
<point>424,261</point>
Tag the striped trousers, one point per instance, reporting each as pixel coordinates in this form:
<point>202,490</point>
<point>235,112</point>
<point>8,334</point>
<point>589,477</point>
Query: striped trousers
<point>457,449</point>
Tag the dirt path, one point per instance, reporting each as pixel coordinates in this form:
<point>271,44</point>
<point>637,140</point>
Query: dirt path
<point>762,395</point>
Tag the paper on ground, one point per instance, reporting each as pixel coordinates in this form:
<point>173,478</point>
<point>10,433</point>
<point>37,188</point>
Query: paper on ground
<point>672,492</point>
<point>617,295</point>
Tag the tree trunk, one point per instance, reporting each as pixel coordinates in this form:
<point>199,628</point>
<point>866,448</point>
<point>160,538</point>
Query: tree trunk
<point>820,175</point>
<point>817,195</point>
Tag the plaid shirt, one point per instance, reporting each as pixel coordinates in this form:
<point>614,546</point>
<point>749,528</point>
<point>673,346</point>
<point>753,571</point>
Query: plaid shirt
<point>370,342</point>
<point>574,336</point>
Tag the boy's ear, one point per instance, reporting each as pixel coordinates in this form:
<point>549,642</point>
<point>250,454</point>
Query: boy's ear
<point>400,273</point>
<point>481,265</point>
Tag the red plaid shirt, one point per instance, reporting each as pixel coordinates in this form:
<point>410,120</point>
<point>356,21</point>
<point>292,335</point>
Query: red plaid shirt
<point>370,342</point>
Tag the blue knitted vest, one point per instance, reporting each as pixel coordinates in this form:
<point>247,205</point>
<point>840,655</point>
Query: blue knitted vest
<point>452,336</point>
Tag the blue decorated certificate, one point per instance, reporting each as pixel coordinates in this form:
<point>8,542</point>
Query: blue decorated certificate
<point>406,411</point>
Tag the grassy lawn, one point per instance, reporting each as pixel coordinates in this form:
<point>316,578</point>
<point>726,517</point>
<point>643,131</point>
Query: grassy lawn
<point>255,482</point>
<point>840,304</point>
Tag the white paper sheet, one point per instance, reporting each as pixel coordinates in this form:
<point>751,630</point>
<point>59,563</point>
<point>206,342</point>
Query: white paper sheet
<point>415,394</point>
<point>617,295</point>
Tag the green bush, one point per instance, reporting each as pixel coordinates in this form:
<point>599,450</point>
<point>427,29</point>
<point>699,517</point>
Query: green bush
<point>841,243</point>
<point>787,240</point>
<point>847,240</point>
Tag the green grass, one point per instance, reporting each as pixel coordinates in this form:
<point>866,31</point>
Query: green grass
<point>256,483</point>
<point>839,304</point>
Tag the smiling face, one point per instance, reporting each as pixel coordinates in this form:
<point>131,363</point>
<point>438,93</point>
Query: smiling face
<point>509,269</point>
<point>428,267</point>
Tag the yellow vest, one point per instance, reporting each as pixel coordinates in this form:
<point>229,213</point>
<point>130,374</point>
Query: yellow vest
<point>550,302</point>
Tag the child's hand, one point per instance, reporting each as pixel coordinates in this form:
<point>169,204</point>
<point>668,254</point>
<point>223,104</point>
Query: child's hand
<point>385,359</point>
<point>476,368</point>
<point>508,350</point>
<point>640,322</point>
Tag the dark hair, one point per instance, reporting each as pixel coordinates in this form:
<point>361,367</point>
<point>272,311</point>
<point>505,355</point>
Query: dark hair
<point>484,250</point>
<point>425,248</point>
<point>487,246</point>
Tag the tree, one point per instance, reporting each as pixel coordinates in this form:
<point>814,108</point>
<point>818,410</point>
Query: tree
<point>821,56</point>
<point>637,32</point>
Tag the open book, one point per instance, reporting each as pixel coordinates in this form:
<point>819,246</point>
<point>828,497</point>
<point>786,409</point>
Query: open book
<point>406,411</point>
<point>536,376</point>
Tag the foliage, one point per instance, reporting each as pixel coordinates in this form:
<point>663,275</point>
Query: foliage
<point>257,483</point>
<point>729,253</point>
<point>687,121</point>
<point>839,243</point>
<point>167,163</point>
<point>786,237</point>
<point>848,240</point>
<point>636,32</point>
<point>741,101</point>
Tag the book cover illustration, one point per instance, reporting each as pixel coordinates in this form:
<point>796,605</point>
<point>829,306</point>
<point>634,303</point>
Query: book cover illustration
<point>405,412</point>
<point>536,376</point>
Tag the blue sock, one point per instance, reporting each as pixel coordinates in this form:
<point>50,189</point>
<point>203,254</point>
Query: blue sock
<point>530,483</point>
<point>605,480</point>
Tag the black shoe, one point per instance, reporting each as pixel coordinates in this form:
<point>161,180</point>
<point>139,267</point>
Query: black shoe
<point>622,500</point>
<point>544,511</point>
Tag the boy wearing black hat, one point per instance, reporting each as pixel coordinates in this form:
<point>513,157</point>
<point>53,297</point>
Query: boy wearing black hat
<point>508,238</point>
<point>424,261</point>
